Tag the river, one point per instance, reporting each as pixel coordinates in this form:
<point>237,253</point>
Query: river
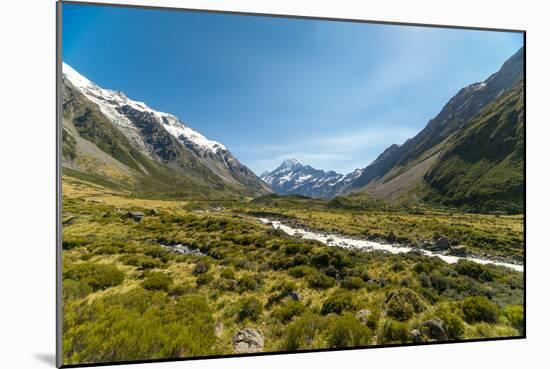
<point>359,244</point>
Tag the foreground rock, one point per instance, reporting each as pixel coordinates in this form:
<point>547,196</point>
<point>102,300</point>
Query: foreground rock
<point>363,315</point>
<point>435,330</point>
<point>459,251</point>
<point>293,295</point>
<point>248,340</point>
<point>442,244</point>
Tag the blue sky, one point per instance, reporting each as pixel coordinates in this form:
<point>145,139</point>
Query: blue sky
<point>331,94</point>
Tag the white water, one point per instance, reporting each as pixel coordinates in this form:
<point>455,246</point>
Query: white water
<point>358,244</point>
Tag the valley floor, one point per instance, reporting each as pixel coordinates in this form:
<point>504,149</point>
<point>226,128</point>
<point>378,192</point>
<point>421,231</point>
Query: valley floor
<point>151,279</point>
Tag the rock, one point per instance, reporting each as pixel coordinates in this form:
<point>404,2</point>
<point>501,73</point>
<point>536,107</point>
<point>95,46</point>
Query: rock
<point>416,336</point>
<point>248,340</point>
<point>435,329</point>
<point>135,215</point>
<point>294,296</point>
<point>154,211</point>
<point>458,251</point>
<point>363,315</point>
<point>442,243</point>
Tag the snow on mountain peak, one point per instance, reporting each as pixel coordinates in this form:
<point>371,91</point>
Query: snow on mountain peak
<point>110,102</point>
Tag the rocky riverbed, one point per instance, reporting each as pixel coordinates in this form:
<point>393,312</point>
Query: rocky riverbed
<point>441,248</point>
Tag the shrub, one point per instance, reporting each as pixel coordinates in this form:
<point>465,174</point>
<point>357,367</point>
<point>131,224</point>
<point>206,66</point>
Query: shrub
<point>200,268</point>
<point>288,310</point>
<point>97,276</point>
<point>74,290</point>
<point>204,279</point>
<point>395,332</point>
<point>345,332</point>
<point>338,303</point>
<point>248,283</point>
<point>352,283</point>
<point>141,261</point>
<point>180,290</point>
<point>227,273</point>
<point>301,271</point>
<point>473,270</point>
<point>479,309</point>
<point>249,308</point>
<point>403,303</point>
<point>453,323</point>
<point>137,324</point>
<point>301,333</point>
<point>515,316</point>
<point>157,281</point>
<point>320,281</point>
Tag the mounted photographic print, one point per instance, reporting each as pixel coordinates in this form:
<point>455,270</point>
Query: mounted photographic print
<point>243,184</point>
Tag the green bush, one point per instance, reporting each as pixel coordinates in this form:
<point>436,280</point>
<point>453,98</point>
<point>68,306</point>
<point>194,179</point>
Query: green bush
<point>288,310</point>
<point>301,333</point>
<point>97,276</point>
<point>141,261</point>
<point>473,270</point>
<point>204,279</point>
<point>157,281</point>
<point>479,309</point>
<point>403,303</point>
<point>338,303</point>
<point>137,325</point>
<point>248,283</point>
<point>352,283</point>
<point>395,332</point>
<point>249,308</point>
<point>345,332</point>
<point>201,267</point>
<point>301,271</point>
<point>227,273</point>
<point>320,281</point>
<point>515,316</point>
<point>74,290</point>
<point>453,323</point>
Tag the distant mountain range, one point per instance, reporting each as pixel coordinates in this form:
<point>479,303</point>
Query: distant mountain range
<point>469,156</point>
<point>293,177</point>
<point>111,139</point>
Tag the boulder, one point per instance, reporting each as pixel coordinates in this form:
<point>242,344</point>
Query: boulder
<point>442,244</point>
<point>294,296</point>
<point>248,340</point>
<point>459,251</point>
<point>363,315</point>
<point>416,336</point>
<point>435,330</point>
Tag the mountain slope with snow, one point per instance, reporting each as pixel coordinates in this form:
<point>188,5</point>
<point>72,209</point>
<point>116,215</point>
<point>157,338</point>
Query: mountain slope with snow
<point>293,177</point>
<point>163,137</point>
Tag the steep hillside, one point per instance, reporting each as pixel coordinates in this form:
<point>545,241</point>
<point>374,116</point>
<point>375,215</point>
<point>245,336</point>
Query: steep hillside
<point>128,144</point>
<point>437,166</point>
<point>468,102</point>
<point>483,167</point>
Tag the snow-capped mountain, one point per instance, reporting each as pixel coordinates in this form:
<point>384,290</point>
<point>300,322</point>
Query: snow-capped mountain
<point>148,131</point>
<point>293,177</point>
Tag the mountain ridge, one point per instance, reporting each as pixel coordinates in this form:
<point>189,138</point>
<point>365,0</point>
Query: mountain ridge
<point>159,136</point>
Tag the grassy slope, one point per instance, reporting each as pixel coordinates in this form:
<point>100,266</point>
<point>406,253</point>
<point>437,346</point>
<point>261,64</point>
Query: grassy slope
<point>250,268</point>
